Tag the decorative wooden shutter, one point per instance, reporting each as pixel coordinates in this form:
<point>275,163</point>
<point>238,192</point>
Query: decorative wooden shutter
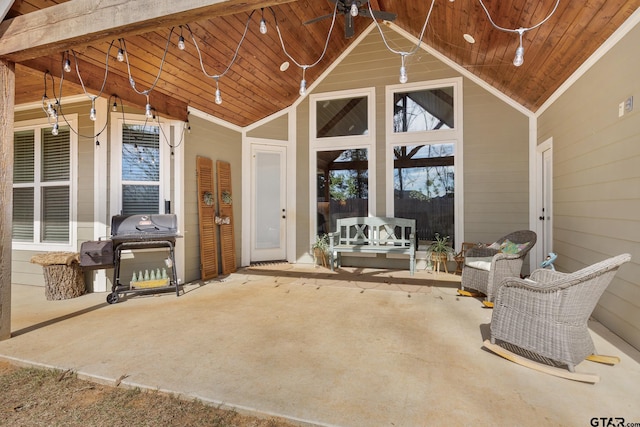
<point>206,219</point>
<point>225,199</point>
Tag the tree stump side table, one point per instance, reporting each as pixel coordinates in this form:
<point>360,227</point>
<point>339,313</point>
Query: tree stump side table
<point>63,277</point>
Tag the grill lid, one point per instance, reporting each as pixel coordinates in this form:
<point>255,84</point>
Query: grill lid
<point>144,227</point>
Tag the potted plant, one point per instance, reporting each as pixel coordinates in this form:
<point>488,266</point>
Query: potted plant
<point>320,249</point>
<point>438,251</point>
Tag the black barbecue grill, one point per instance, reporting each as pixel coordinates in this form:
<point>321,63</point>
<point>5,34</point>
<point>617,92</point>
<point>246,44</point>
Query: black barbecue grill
<point>130,232</point>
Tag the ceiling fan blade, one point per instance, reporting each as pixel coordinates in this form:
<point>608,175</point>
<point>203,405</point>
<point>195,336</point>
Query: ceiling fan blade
<point>348,26</point>
<point>379,14</point>
<point>385,16</point>
<point>319,18</point>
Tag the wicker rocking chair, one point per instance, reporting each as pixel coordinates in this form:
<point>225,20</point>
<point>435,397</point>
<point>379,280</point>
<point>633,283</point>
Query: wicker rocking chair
<point>541,322</point>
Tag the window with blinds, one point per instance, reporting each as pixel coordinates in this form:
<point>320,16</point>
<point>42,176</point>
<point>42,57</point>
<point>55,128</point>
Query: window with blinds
<point>140,169</point>
<point>42,186</point>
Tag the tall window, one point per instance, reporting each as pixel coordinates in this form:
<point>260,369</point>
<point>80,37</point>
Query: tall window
<point>43,183</point>
<point>342,137</point>
<point>140,169</point>
<point>342,186</point>
<point>423,187</point>
<point>424,140</point>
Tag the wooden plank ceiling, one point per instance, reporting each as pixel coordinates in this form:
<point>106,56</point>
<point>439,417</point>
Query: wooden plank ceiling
<point>255,87</point>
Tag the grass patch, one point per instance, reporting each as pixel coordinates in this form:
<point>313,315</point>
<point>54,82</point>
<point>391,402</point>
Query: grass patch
<point>41,397</point>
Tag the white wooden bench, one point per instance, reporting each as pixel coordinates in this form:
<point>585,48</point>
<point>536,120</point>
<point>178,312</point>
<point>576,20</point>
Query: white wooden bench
<point>373,235</point>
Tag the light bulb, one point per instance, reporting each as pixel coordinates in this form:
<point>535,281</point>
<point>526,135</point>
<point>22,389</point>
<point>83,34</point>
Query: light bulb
<point>518,60</point>
<point>218,97</point>
<point>114,108</point>
<point>148,112</point>
<point>303,87</point>
<point>54,129</point>
<point>354,9</point>
<point>67,65</point>
<point>92,114</point>
<point>50,111</point>
<point>403,75</point>
<point>120,56</point>
<point>181,43</point>
<point>263,26</point>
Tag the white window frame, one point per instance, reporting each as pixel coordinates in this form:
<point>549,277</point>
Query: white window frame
<point>117,121</point>
<point>440,136</point>
<point>316,145</point>
<point>37,125</point>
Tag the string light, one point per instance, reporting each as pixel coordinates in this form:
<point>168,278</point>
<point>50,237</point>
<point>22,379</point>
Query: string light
<point>303,83</point>
<point>181,45</point>
<point>218,99</point>
<point>120,55</point>
<point>148,111</point>
<point>92,112</point>
<point>67,64</point>
<point>263,23</point>
<point>216,77</point>
<point>48,107</point>
<point>403,72</point>
<point>518,59</point>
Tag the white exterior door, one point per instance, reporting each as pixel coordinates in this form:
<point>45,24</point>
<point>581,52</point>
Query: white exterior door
<point>545,199</point>
<point>269,203</point>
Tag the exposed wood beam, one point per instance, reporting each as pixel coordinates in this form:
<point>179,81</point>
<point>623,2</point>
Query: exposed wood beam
<point>7,90</point>
<point>5,6</point>
<point>83,22</point>
<point>93,76</point>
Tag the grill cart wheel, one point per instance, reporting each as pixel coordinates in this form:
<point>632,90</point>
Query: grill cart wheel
<point>112,298</point>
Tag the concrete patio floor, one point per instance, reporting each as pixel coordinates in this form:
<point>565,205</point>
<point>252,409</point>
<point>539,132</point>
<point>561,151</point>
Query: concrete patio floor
<point>357,348</point>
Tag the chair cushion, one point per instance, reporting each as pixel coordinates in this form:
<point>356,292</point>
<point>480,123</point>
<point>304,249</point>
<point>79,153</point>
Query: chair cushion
<point>481,263</point>
<point>509,247</point>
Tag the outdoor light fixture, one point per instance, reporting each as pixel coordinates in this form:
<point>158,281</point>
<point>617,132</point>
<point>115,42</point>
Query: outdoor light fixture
<point>218,99</point>
<point>114,107</point>
<point>263,24</point>
<point>54,129</point>
<point>303,82</point>
<point>120,56</point>
<point>67,64</point>
<point>354,9</point>
<point>92,112</point>
<point>403,72</point>
<point>518,60</point>
<point>403,78</point>
<point>148,112</point>
<point>51,112</point>
<point>303,87</point>
<point>181,40</point>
